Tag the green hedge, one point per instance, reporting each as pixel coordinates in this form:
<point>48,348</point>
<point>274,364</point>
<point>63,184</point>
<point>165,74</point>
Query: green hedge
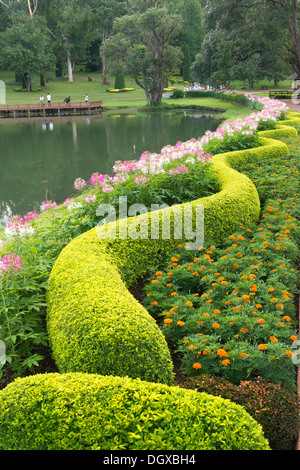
<point>86,411</point>
<point>95,325</point>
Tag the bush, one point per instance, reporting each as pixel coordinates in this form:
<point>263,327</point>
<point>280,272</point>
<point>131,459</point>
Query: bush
<point>177,94</point>
<point>119,82</point>
<point>107,331</point>
<point>90,412</point>
<point>273,406</point>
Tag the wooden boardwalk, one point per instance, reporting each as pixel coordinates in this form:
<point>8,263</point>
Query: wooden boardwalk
<point>50,110</point>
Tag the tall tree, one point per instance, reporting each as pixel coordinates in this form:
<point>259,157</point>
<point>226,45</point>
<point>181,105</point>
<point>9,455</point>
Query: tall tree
<point>141,46</point>
<point>104,13</point>
<point>240,33</point>
<point>288,11</point>
<point>25,47</point>
<point>69,24</point>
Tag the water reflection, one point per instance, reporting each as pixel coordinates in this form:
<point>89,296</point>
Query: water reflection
<point>40,159</point>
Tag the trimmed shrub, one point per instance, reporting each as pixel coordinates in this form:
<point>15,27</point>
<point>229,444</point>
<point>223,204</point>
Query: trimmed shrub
<point>273,406</point>
<point>90,412</point>
<point>177,94</point>
<point>95,325</point>
<point>119,82</point>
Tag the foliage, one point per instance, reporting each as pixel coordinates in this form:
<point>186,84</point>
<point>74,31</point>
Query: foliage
<point>26,47</point>
<point>273,406</point>
<point>92,412</point>
<point>243,42</point>
<point>141,47</point>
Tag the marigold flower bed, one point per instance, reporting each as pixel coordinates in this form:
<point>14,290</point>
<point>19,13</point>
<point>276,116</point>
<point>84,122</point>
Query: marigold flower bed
<point>229,310</point>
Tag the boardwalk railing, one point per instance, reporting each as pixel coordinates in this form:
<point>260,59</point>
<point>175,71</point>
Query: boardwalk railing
<point>74,107</point>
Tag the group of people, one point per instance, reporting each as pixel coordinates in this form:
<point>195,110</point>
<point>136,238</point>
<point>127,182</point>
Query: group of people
<point>66,100</point>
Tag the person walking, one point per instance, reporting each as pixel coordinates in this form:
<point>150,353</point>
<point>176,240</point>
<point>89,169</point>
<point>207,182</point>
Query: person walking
<point>49,98</point>
<point>86,99</point>
<point>42,100</point>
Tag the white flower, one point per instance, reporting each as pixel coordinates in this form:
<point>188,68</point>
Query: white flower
<point>74,205</point>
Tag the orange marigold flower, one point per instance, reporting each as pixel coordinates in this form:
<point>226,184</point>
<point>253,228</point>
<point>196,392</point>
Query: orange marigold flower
<point>244,277</point>
<point>216,325</point>
<point>235,265</point>
<point>280,305</point>
<point>273,339</point>
<point>231,237</point>
<point>288,353</point>
<point>260,321</point>
<point>189,303</point>
<point>258,306</point>
<point>273,299</point>
<point>262,347</point>
<point>185,341</point>
<point>244,355</point>
<point>154,281</point>
<point>196,365</point>
<point>226,362</point>
<point>173,293</point>
<point>294,338</point>
<point>195,273</point>
<point>206,352</point>
<point>158,273</point>
<point>286,318</point>
<point>169,285</point>
<point>252,276</point>
<point>154,303</point>
<point>217,311</point>
<point>180,323</point>
<point>222,353</point>
<point>174,308</point>
<point>167,321</point>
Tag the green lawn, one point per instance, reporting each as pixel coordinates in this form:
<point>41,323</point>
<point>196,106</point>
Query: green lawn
<point>60,88</point>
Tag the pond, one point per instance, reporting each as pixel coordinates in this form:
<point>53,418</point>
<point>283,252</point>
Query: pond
<point>40,159</point>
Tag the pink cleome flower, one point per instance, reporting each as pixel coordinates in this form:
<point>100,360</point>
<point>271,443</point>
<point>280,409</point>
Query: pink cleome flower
<point>9,263</point>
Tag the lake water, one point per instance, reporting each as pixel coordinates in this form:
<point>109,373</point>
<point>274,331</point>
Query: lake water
<point>39,160</point>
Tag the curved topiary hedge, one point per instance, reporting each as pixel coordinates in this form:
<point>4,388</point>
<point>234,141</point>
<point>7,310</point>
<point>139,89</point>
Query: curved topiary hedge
<point>86,411</point>
<point>95,325</point>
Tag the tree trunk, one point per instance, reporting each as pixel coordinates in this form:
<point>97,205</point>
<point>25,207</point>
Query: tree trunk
<point>104,77</point>
<point>27,81</point>
<point>70,68</point>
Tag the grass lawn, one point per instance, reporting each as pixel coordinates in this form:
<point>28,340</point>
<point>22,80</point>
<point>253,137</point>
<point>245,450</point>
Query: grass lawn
<point>60,88</point>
